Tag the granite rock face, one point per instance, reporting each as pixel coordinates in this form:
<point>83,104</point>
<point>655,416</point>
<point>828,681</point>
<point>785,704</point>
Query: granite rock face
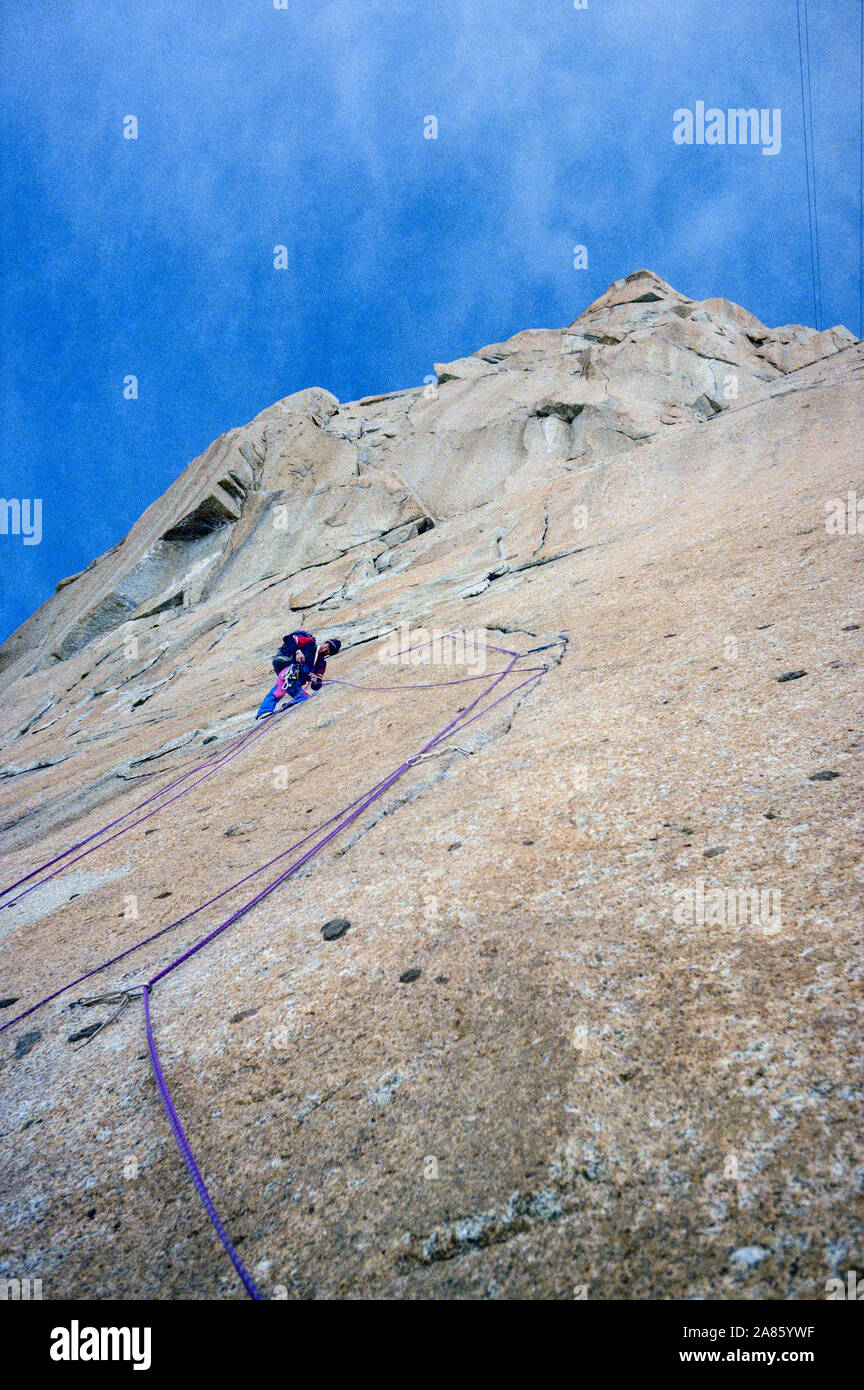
<point>595,1028</point>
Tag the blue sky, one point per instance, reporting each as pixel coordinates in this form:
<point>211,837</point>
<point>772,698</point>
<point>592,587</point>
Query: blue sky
<point>303,126</point>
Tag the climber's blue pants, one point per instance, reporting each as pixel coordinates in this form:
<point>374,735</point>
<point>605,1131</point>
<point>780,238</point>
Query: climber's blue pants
<point>268,704</point>
<point>271,699</point>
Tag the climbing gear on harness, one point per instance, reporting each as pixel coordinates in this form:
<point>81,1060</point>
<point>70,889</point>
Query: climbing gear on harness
<point>289,677</point>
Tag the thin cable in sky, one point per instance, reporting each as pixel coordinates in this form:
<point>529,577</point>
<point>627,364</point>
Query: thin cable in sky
<point>819,317</point>
<point>811,189</point>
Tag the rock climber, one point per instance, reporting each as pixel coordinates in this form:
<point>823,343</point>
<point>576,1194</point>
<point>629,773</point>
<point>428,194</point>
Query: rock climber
<point>298,662</point>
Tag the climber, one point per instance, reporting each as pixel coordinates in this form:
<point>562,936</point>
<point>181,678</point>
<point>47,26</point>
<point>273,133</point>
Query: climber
<point>298,662</point>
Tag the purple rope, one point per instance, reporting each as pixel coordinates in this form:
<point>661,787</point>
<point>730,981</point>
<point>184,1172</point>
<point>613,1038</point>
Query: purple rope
<point>432,685</point>
<point>397,689</point>
<point>189,1158</point>
<point>345,817</point>
<point>225,757</point>
<point>366,801</point>
<point>171,926</point>
<point>458,722</point>
<point>114,960</point>
<point>80,843</point>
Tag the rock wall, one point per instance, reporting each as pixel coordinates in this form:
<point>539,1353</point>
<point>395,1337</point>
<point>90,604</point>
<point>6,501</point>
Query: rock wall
<point>524,1069</point>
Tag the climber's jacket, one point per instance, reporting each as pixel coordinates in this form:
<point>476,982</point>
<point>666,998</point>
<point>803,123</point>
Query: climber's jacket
<point>312,669</point>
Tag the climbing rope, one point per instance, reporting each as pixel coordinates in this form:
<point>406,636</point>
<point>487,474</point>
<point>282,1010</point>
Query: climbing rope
<point>333,827</point>
<point>218,760</point>
<point>458,723</point>
<point>161,792</point>
<point>226,756</point>
<point>189,1158</point>
<point>180,921</point>
<point>809,158</point>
